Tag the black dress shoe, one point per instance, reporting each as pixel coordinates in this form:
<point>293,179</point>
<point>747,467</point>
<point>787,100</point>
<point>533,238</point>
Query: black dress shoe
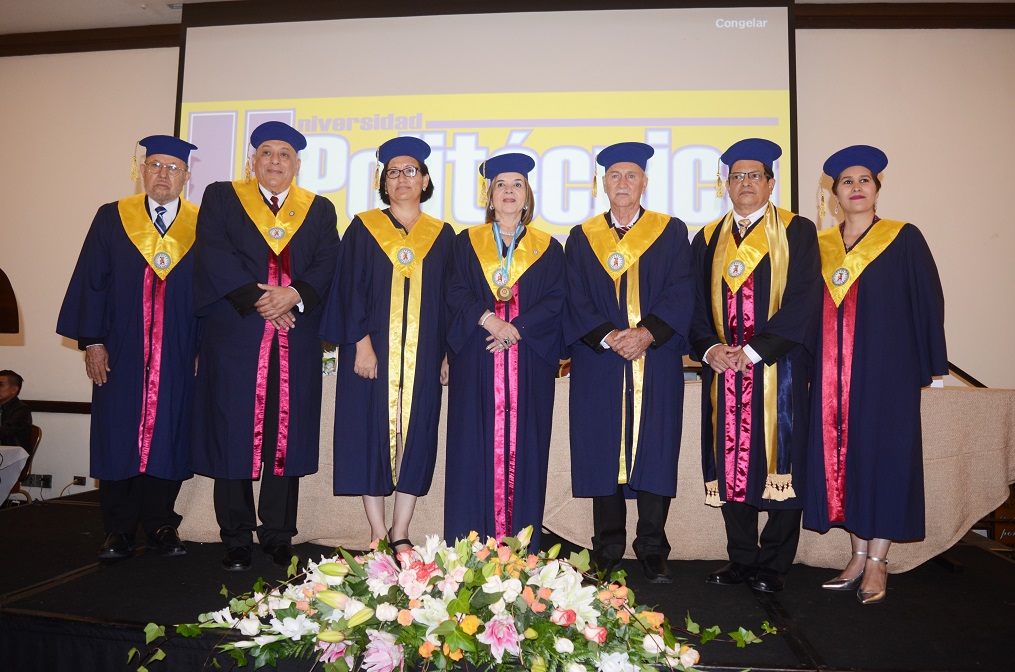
<point>281,554</point>
<point>116,547</point>
<point>732,574</point>
<point>236,559</point>
<point>768,582</point>
<point>656,569</point>
<point>166,541</point>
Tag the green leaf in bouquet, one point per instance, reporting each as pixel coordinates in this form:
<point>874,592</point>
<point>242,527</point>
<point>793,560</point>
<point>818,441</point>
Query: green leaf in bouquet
<point>153,631</point>
<point>690,625</point>
<point>580,561</point>
<point>768,628</point>
<point>133,652</point>
<point>460,605</point>
<point>188,630</point>
<point>482,599</point>
<point>354,566</point>
<point>460,640</point>
<point>710,634</point>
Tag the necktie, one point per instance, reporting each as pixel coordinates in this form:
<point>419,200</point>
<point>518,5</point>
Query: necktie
<point>274,205</point>
<point>160,223</point>
<point>743,225</point>
<point>622,230</point>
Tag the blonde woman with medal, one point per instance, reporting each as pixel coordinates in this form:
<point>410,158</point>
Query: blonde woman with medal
<point>505,297</point>
<point>865,462</point>
<point>386,313</point>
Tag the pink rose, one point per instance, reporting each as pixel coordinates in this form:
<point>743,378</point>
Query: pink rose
<point>594,633</point>
<point>500,635</point>
<point>563,617</point>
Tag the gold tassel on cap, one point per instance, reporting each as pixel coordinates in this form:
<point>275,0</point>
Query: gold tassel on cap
<point>595,179</point>
<point>718,180</point>
<point>484,186</point>
<point>377,170</point>
<point>246,171</point>
<point>822,210</point>
<point>135,174</point>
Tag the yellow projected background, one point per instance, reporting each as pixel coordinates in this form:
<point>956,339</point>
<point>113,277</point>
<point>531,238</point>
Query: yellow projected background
<point>561,131</point>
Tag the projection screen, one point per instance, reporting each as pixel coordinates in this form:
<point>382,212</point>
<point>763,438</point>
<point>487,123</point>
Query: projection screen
<point>559,86</point>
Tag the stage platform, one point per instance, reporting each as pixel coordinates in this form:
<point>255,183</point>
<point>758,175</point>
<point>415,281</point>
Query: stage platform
<point>60,609</point>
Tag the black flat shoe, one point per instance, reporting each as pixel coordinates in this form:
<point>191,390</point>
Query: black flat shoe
<point>768,582</point>
<point>167,542</point>
<point>281,554</point>
<point>116,547</point>
<point>237,559</point>
<point>731,574</point>
<point>656,569</point>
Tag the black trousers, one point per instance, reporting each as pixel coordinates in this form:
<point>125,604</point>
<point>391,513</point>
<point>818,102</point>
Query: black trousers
<point>609,520</point>
<point>778,542</point>
<point>142,499</point>
<point>279,497</point>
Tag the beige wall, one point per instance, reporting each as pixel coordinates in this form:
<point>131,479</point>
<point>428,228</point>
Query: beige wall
<point>938,102</point>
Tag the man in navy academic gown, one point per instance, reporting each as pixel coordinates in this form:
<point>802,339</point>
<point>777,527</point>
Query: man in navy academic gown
<point>759,292</point>
<point>630,299</point>
<point>130,308</point>
<point>264,258</point>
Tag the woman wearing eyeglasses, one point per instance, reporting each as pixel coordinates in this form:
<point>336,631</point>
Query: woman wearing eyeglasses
<point>386,313</point>
<point>505,297</point>
<point>881,340</point>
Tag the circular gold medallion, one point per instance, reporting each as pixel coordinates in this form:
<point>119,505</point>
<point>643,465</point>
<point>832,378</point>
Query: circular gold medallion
<point>504,293</point>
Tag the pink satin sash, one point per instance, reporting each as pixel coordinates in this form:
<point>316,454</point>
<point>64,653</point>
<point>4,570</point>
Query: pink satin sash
<point>835,396</point>
<point>737,454</point>
<point>154,319</point>
<point>278,274</point>
<point>504,470</point>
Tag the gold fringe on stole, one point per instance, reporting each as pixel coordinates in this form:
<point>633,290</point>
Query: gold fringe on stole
<point>779,487</point>
<point>396,373</point>
<point>712,494</point>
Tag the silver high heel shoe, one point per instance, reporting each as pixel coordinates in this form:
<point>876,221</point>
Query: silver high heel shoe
<point>839,583</point>
<point>873,597</point>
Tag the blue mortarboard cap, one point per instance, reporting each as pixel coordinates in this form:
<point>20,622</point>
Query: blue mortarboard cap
<point>626,152</point>
<point>752,149</point>
<point>276,130</point>
<point>403,146</point>
<point>167,144</point>
<point>514,162</point>
<point>871,158</point>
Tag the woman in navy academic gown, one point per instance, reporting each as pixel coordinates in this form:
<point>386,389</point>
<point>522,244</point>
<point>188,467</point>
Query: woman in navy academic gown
<point>505,297</point>
<point>386,312</point>
<point>881,340</point>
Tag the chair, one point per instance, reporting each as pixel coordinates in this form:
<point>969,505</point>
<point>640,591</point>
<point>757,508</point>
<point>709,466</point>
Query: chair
<point>27,469</point>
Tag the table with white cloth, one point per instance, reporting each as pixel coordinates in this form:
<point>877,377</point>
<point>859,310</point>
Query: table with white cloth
<point>12,459</point>
<point>969,459</point>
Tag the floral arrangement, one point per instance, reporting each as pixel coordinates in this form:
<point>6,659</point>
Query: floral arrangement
<point>474,604</point>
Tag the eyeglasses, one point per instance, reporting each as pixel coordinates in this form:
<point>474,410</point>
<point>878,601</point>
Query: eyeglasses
<point>754,176</point>
<point>171,168</point>
<point>408,171</point>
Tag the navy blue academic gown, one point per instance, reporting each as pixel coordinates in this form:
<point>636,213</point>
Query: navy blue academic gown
<point>786,339</point>
<point>230,253</point>
<point>360,304</point>
<point>899,344</point>
<point>597,377</point>
<point>104,304</point>
<point>469,499</point>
